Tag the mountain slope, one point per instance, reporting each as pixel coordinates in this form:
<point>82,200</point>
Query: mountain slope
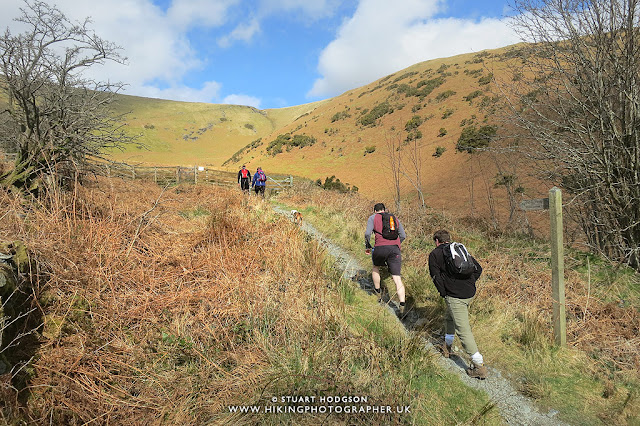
<point>182,133</point>
<point>422,109</point>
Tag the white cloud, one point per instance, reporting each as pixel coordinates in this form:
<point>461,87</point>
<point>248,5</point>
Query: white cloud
<point>209,93</point>
<point>242,100</point>
<point>243,32</point>
<point>207,13</point>
<point>155,43</point>
<point>385,36</point>
<point>311,9</point>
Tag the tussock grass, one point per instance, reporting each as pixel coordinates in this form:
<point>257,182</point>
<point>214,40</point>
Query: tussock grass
<point>167,306</point>
<point>595,379</point>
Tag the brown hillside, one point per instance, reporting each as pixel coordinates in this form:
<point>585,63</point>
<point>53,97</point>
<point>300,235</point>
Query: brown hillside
<point>462,96</point>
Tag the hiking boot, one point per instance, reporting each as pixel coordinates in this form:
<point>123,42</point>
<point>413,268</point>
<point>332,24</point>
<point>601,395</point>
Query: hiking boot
<point>446,350</point>
<point>477,371</point>
<point>402,311</point>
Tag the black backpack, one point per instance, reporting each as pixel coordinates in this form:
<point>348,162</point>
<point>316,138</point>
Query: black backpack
<point>458,260</point>
<point>389,226</point>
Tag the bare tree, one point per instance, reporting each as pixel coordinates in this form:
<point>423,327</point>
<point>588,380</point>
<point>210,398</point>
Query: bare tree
<point>576,97</point>
<point>412,162</point>
<point>56,120</point>
<point>393,155</point>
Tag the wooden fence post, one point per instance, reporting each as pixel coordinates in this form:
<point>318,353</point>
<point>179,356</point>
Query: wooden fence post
<point>195,175</point>
<point>290,181</point>
<point>133,172</point>
<point>177,174</point>
<point>557,267</point>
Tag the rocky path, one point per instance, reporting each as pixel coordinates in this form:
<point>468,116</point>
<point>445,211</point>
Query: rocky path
<point>515,408</point>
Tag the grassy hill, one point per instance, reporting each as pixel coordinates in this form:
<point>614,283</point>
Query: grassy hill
<point>182,133</point>
<point>422,109</point>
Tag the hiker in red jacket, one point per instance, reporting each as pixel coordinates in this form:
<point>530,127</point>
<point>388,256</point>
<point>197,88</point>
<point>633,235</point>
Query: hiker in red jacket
<point>244,176</point>
<point>386,250</point>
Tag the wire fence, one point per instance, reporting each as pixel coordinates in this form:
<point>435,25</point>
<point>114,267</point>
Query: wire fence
<point>173,175</point>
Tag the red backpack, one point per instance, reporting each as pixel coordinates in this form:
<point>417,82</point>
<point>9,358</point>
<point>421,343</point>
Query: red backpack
<point>245,173</point>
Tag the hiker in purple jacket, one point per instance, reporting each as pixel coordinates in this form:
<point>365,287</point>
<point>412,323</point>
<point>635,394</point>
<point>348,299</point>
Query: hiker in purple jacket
<point>385,251</point>
<point>259,182</point>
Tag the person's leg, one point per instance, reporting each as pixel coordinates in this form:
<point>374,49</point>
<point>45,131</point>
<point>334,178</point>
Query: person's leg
<point>399,287</point>
<point>394,262</point>
<point>375,276</point>
<point>449,326</point>
<point>459,311</point>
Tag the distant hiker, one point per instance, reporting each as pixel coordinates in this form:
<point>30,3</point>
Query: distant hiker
<point>244,176</point>
<point>259,182</point>
<point>454,273</point>
<point>389,233</point>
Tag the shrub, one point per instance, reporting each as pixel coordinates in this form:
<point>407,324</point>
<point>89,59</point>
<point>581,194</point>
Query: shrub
<point>248,147</point>
<point>285,140</point>
<point>340,115</point>
<point>249,126</point>
<point>413,123</point>
<point>444,95</point>
<point>447,113</point>
<point>369,149</point>
<point>422,89</point>
<point>333,184</point>
<point>474,72</point>
<point>473,138</point>
<point>486,79</point>
<point>442,132</point>
<point>414,135</point>
<point>439,151</point>
<point>473,95</point>
<point>378,111</point>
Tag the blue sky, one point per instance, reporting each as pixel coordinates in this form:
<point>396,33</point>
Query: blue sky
<point>277,53</point>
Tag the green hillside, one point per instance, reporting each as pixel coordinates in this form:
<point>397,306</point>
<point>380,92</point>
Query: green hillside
<point>421,110</point>
<point>182,133</point>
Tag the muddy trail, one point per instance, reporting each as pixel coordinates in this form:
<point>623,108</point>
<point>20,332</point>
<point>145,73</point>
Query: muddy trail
<point>514,407</point>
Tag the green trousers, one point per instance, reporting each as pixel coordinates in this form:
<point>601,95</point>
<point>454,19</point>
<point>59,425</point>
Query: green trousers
<point>456,321</point>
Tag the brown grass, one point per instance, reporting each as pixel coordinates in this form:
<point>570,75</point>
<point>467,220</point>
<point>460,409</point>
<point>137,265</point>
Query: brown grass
<point>148,312</point>
<point>169,306</point>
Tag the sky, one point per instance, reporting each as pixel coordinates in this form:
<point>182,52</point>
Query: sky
<point>276,53</point>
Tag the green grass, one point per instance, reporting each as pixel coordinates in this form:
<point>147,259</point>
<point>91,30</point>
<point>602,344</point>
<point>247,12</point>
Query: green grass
<point>584,386</point>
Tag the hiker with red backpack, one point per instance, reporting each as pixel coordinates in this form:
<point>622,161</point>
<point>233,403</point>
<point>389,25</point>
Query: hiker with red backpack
<point>454,273</point>
<point>244,176</point>
<point>389,233</point>
<point>259,182</point>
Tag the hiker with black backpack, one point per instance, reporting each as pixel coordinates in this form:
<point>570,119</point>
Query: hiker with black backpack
<point>454,273</point>
<point>259,182</point>
<point>244,176</point>
<point>389,233</point>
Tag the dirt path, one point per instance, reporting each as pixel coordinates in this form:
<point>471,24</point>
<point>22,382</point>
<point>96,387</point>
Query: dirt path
<point>515,408</point>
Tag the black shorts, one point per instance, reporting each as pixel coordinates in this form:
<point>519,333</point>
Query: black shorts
<point>259,189</point>
<point>244,184</point>
<point>389,256</point>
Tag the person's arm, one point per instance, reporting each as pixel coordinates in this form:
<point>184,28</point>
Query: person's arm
<point>436,274</point>
<point>255,178</point>
<point>239,175</point>
<point>368,231</point>
<point>478,271</point>
<point>401,232</point>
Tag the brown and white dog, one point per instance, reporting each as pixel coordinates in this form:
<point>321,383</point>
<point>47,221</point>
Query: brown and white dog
<point>296,216</point>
